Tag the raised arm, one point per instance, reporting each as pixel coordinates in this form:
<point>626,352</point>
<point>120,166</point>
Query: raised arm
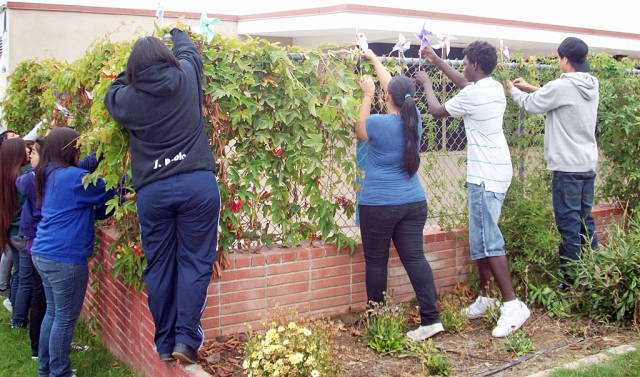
<point>383,75</point>
<point>368,87</point>
<point>456,77</point>
<point>436,109</point>
<point>184,49</point>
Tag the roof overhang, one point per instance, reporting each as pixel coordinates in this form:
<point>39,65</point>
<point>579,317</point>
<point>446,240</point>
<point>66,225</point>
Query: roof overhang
<point>338,24</point>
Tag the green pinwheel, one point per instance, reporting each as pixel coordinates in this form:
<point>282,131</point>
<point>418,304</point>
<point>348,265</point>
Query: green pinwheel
<point>207,25</point>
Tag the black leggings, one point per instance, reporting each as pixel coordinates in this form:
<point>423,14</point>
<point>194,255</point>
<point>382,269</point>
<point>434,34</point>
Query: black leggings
<point>404,224</point>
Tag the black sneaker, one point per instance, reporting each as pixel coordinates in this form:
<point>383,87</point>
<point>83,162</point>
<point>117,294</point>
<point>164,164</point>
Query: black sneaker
<point>167,357</point>
<point>185,353</point>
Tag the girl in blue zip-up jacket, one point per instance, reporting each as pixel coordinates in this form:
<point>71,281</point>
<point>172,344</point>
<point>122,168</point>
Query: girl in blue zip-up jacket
<point>64,242</point>
<point>31,216</point>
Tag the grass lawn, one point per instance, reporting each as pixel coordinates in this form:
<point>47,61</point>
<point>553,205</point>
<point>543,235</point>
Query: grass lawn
<point>627,365</point>
<point>15,353</point>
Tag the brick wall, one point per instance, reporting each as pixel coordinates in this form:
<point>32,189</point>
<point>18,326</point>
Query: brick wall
<point>317,279</point>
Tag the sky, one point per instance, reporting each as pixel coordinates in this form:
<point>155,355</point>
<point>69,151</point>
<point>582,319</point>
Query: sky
<point>617,15</point>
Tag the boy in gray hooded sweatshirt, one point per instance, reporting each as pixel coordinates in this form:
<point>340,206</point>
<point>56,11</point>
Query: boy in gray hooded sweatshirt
<point>570,149</point>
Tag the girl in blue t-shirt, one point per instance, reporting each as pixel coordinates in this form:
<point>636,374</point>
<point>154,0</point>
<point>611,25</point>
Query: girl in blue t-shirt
<point>392,204</point>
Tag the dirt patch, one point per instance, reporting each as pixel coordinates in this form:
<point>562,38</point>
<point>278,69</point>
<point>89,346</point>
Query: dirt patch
<point>470,352</point>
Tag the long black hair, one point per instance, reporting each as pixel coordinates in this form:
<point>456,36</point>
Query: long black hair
<point>403,91</point>
<point>60,150</point>
<point>13,156</point>
<point>147,52</point>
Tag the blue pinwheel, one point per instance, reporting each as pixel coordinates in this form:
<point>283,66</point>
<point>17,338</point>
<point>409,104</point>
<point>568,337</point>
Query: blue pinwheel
<point>207,26</point>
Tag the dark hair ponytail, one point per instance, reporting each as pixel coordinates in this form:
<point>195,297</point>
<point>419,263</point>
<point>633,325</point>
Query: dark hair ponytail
<point>59,151</point>
<point>402,91</point>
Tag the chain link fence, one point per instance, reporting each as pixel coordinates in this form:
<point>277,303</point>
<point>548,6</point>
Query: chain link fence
<point>443,148</point>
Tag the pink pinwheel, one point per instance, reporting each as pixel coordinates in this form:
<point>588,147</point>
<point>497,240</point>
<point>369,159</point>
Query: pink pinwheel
<point>504,49</point>
<point>402,45</point>
<point>423,36</point>
<point>361,41</point>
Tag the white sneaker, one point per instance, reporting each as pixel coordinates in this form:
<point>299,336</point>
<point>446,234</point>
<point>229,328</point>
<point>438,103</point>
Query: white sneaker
<point>7,305</point>
<point>479,308</point>
<point>78,347</point>
<point>425,332</point>
<point>510,320</point>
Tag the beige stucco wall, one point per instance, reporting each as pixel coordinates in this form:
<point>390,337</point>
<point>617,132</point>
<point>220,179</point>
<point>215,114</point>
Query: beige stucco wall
<point>66,35</point>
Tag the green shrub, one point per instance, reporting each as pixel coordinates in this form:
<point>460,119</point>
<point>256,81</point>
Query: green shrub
<point>529,231</point>
<point>386,326</point>
<point>607,280</point>
<point>518,343</point>
<point>432,360</point>
<point>451,316</point>
<point>619,129</point>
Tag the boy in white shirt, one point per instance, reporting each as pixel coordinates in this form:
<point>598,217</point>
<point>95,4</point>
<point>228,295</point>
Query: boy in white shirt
<point>481,103</point>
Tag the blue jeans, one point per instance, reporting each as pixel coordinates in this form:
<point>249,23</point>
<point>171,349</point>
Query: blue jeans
<point>572,204</point>
<point>22,298</point>
<point>64,286</point>
<point>404,224</point>
<point>6,263</point>
<point>16,245</point>
<point>485,237</point>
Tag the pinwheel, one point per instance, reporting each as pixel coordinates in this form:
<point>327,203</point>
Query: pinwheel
<point>160,14</point>
<point>63,110</point>
<point>444,42</point>
<point>361,41</point>
<point>504,49</point>
<point>423,36</point>
<point>207,26</point>
<point>402,45</point>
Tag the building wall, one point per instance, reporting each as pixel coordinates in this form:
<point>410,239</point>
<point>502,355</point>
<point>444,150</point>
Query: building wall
<point>316,279</point>
<point>66,35</point>
<point>64,32</point>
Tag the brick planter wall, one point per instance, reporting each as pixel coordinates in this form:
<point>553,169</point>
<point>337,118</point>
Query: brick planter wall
<point>317,279</point>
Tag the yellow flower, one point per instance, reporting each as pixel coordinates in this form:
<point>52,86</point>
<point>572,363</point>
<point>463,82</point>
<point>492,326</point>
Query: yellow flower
<point>305,331</point>
<point>292,325</point>
<point>245,364</point>
<point>280,328</point>
<point>315,373</point>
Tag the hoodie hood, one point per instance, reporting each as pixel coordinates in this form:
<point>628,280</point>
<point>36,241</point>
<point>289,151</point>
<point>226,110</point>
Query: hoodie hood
<point>586,84</point>
<point>159,80</point>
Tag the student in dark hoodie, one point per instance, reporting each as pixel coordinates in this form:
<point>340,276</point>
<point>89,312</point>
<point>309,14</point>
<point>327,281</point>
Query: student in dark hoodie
<point>570,148</point>
<point>158,98</point>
